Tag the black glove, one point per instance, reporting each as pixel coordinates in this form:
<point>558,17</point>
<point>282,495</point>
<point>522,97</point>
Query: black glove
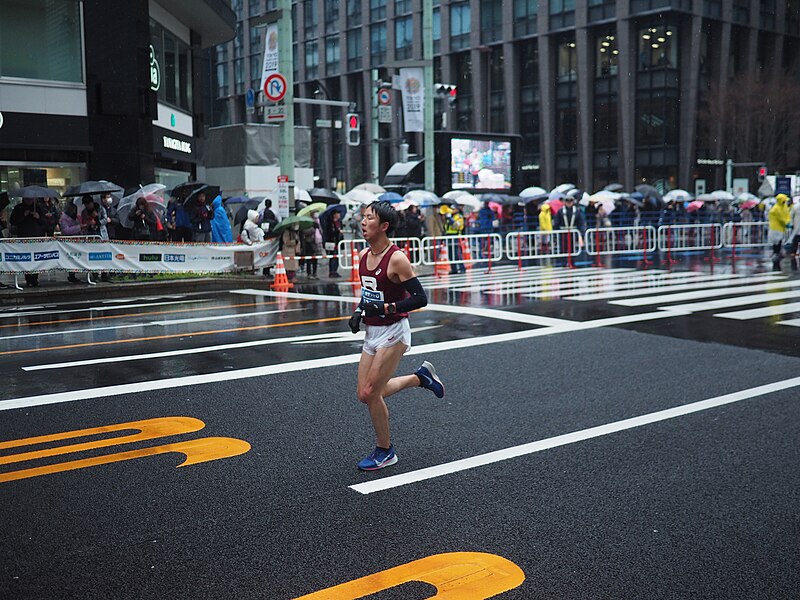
<point>373,309</point>
<point>355,321</point>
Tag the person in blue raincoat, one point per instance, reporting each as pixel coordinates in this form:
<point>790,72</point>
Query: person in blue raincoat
<point>220,224</point>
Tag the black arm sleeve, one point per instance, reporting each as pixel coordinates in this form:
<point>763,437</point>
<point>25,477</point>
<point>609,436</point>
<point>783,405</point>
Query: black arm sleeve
<point>416,300</point>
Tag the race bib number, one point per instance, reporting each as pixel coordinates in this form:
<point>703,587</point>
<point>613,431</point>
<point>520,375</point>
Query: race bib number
<point>369,293</point>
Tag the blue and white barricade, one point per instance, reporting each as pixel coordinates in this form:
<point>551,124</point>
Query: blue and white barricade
<point>525,245</point>
<point>462,249</point>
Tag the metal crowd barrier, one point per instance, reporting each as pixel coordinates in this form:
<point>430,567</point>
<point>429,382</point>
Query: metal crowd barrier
<point>524,245</point>
<point>745,234</point>
<point>621,240</point>
<point>462,249</point>
<point>411,246</point>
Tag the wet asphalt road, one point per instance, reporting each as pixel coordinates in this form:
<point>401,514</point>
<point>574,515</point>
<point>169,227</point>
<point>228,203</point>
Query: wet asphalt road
<point>701,501</point>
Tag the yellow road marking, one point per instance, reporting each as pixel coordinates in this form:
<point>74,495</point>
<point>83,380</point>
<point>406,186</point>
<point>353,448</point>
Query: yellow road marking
<point>196,451</point>
<point>166,337</point>
<point>455,575</point>
<point>148,429</point>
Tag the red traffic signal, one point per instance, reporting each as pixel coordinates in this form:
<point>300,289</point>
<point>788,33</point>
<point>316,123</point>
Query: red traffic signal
<point>352,129</point>
<point>762,173</point>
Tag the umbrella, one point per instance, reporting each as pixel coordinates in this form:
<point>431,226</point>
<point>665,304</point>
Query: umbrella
<point>360,196</point>
<point>614,187</point>
<point>604,195</point>
<point>555,204</point>
<point>403,205</point>
<point>392,197</point>
<point>533,193</point>
<point>241,200</point>
<point>706,197</point>
<point>328,212</point>
<point>744,197</point>
<point>34,191</point>
<point>648,191</point>
<point>694,206</point>
<point>324,195</point>
<point>677,196</point>
<point>422,198</point>
<point>241,214</point>
<point>303,222</point>
<point>555,195</point>
<point>182,191</point>
<point>469,201</point>
<point>369,187</point>
<point>301,195</point>
<point>311,208</point>
<point>453,194</point>
<point>607,204</point>
<point>154,193</point>
<point>635,198</point>
<point>90,188</point>
<point>722,195</point>
<point>563,188</point>
<point>211,192</point>
<point>580,196</point>
<point>747,204</point>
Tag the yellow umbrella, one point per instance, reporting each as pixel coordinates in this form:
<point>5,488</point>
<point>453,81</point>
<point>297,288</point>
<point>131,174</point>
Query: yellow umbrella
<point>311,208</point>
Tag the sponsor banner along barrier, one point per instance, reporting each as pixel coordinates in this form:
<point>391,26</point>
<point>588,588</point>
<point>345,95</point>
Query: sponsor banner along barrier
<point>35,255</point>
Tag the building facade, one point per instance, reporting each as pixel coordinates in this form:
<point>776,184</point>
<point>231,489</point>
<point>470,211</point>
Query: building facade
<point>100,89</point>
<point>600,91</point>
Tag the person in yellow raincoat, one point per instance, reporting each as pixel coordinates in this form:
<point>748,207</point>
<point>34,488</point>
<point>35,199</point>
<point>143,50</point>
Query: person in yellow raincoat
<point>779,218</point>
<point>545,224</point>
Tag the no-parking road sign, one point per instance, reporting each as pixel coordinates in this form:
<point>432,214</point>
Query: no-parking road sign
<point>275,87</point>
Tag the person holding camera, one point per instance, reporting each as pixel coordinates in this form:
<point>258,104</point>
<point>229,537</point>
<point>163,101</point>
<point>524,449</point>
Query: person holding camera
<point>26,218</point>
<point>142,221</point>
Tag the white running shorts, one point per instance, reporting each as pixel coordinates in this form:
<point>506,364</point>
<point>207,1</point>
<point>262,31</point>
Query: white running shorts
<point>383,336</point>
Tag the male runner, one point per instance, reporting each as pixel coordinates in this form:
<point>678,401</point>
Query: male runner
<point>389,290</point>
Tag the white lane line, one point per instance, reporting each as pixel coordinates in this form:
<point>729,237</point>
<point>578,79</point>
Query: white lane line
<point>299,339</point>
<point>386,483</point>
<point>712,281</point>
<point>489,313</point>
<point>540,279</point>
<point>709,293</point>
<point>304,365</point>
<point>520,278</point>
<point>760,313</point>
<point>597,286</point>
<point>790,322</point>
<point>731,302</point>
<point>164,323</point>
<point>54,310</point>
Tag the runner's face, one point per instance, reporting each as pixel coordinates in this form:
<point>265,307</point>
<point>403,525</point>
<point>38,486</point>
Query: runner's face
<point>371,226</point>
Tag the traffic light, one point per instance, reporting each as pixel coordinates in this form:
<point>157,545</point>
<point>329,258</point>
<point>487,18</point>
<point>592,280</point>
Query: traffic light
<point>353,129</point>
<point>447,89</point>
<point>762,173</point>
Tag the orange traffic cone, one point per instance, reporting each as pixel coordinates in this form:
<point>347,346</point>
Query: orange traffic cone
<point>466,253</point>
<point>281,281</point>
<point>443,264</point>
<point>355,278</point>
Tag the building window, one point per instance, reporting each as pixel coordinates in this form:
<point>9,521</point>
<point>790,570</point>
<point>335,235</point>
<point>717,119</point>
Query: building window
<point>377,44</point>
<point>310,18</point>
<point>497,96</point>
<point>256,33</point>
<point>354,49</point>
<point>607,56</point>
<point>175,58</point>
<point>331,15</point>
<point>403,37</point>
<point>460,26</point>
<point>529,102</point>
<point>353,13</point>
<point>255,8</point>
<point>256,63</point>
<point>657,122</point>
<point>562,14</point>
<point>601,10</point>
<point>491,20</point>
<point>238,41</point>
<point>238,76</point>
<point>567,62</point>
<point>238,6</point>
<point>658,47</point>
<point>437,30</point>
<point>312,60</point>
<point>766,18</point>
<point>41,39</point>
<point>377,10</point>
<point>332,55</point>
<point>638,6</point>
<point>462,69</point>
<point>792,21</point>
<point>741,12</point>
<point>222,80</point>
<point>525,12</point>
<point>402,7</point>
<point>712,9</point>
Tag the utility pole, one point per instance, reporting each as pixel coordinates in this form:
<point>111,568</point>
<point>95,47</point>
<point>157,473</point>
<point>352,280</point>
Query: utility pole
<point>427,56</point>
<point>286,68</point>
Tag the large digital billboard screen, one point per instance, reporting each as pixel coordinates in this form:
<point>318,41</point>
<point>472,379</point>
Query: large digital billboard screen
<point>480,164</point>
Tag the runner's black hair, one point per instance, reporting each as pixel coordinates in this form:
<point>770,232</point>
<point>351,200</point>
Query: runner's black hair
<point>386,214</point>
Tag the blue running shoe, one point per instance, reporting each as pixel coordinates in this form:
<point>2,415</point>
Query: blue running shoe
<point>378,459</point>
<point>429,380</point>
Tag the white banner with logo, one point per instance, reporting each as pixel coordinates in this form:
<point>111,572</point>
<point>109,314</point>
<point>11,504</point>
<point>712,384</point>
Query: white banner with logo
<point>413,98</point>
<point>270,53</point>
<point>54,254</point>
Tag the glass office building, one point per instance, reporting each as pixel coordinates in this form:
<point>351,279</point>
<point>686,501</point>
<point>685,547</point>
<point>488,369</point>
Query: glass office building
<point>600,91</point>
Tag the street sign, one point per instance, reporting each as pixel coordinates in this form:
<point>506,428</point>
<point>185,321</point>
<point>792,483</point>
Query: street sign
<point>384,114</point>
<point>384,97</point>
<point>275,87</point>
<point>283,196</point>
<point>699,186</point>
<point>250,98</point>
<point>326,123</point>
<point>275,114</point>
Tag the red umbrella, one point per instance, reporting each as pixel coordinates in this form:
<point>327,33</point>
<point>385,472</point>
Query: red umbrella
<point>748,204</point>
<point>555,205</point>
<point>694,206</point>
